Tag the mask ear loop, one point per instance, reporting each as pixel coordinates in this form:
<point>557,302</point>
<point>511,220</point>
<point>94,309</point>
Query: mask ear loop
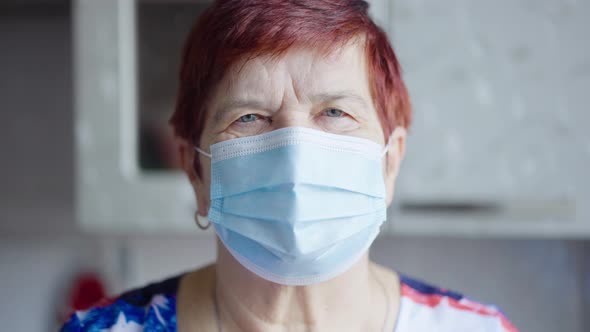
<point>203,152</point>
<point>394,136</point>
<point>386,147</point>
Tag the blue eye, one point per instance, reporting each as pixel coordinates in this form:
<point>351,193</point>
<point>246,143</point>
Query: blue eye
<point>248,118</point>
<point>333,112</point>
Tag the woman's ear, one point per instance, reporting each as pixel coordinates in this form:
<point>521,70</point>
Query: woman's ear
<point>393,159</point>
<point>186,152</point>
<point>188,159</point>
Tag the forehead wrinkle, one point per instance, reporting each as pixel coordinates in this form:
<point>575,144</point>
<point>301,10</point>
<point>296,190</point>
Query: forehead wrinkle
<point>246,73</point>
<point>336,86</point>
<point>297,86</point>
<point>248,84</point>
<point>262,81</point>
<point>302,69</point>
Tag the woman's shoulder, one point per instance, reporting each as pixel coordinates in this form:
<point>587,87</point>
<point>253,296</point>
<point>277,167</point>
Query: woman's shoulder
<point>426,308</point>
<point>150,308</point>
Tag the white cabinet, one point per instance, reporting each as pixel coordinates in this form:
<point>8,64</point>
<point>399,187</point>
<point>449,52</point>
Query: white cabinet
<point>114,192</point>
<point>500,143</point>
<point>498,146</point>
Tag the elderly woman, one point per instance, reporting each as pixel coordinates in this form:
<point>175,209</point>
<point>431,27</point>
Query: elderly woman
<point>291,117</point>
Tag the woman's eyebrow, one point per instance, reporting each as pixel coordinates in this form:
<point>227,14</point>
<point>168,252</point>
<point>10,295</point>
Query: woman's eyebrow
<point>333,96</point>
<point>254,104</point>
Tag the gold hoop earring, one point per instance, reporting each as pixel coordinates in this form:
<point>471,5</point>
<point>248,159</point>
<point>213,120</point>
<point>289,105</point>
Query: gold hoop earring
<point>202,222</point>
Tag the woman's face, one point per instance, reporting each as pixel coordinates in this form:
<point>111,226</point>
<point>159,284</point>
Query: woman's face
<point>302,88</point>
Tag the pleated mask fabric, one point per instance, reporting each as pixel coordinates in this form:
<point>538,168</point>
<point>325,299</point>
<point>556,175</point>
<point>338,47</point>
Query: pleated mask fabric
<point>297,206</point>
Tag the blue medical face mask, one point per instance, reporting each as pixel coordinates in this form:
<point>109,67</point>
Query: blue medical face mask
<point>297,206</point>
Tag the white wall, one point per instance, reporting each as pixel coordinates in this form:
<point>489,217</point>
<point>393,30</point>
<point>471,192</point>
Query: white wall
<point>539,283</point>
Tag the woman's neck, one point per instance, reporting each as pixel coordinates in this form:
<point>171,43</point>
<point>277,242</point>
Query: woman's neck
<point>357,300</point>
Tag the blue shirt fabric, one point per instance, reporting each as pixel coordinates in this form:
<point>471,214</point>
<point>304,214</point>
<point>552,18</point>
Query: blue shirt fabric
<point>423,308</point>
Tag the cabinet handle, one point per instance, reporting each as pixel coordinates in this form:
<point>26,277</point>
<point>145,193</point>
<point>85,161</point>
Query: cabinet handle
<point>451,207</point>
<point>522,208</point>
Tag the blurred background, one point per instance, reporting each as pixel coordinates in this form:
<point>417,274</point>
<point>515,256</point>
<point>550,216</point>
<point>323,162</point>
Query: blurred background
<point>492,199</point>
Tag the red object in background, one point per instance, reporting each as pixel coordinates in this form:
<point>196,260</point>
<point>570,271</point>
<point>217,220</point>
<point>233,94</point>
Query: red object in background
<point>87,289</point>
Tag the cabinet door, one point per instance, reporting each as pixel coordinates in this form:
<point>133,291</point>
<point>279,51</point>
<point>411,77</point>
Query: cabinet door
<point>127,56</point>
<point>500,142</point>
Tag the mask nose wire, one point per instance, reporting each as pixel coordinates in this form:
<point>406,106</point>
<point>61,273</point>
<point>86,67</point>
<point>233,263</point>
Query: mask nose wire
<point>383,153</point>
<point>203,152</point>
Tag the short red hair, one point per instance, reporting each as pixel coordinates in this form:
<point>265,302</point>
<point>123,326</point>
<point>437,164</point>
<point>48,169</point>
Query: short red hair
<point>230,30</point>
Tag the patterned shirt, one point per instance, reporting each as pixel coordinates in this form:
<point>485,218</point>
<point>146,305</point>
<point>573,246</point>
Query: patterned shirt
<point>423,308</point>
